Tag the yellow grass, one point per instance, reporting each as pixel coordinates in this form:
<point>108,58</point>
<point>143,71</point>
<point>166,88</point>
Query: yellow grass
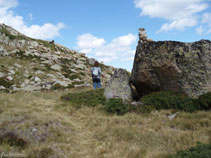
<point>88,132</point>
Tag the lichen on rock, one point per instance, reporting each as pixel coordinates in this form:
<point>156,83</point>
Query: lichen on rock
<point>172,65</point>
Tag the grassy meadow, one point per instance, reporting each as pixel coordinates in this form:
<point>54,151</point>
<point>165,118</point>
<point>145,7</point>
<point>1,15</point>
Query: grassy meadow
<point>42,125</point>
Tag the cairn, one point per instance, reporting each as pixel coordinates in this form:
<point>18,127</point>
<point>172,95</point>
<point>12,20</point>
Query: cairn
<point>143,36</point>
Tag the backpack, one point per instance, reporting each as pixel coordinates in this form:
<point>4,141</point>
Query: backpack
<point>95,72</point>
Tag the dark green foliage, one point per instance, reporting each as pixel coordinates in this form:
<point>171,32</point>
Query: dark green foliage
<point>169,100</point>
<point>204,101</point>
<point>116,105</point>
<point>74,76</point>
<point>12,139</point>
<point>7,33</point>
<point>22,55</point>
<point>43,153</point>
<point>13,37</point>
<point>4,82</point>
<point>140,108</point>
<point>57,86</point>
<point>200,151</point>
<point>88,98</point>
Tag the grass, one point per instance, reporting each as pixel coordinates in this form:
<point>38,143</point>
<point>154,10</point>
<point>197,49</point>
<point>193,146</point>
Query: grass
<point>90,132</point>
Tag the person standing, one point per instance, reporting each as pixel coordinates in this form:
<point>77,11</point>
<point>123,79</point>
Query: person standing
<point>96,73</point>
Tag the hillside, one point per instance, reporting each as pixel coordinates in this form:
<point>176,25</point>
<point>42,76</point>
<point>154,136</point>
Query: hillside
<point>31,64</point>
<point>41,125</point>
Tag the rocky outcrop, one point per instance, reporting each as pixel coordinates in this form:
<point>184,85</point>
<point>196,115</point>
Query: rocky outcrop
<point>171,65</point>
<point>31,64</point>
<point>118,86</point>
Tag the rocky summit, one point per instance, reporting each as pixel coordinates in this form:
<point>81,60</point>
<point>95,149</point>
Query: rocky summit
<point>171,65</point>
<point>31,64</point>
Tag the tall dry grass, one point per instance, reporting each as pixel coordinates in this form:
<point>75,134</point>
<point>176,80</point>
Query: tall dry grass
<point>89,132</point>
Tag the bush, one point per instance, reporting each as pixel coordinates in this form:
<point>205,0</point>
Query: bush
<point>88,98</point>
<point>169,100</point>
<point>200,151</point>
<point>116,105</point>
<point>6,83</point>
<point>204,101</point>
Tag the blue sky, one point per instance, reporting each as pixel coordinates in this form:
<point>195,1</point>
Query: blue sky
<point>107,30</point>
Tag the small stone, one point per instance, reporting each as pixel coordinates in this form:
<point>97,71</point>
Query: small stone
<point>56,67</point>
<point>17,65</point>
<point>1,74</point>
<point>10,78</point>
<point>37,79</point>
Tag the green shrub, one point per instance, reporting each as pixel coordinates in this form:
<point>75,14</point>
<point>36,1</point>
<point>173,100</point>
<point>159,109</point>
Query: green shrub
<point>204,101</point>
<point>140,108</point>
<point>88,98</point>
<point>57,86</point>
<point>41,153</point>
<point>169,100</point>
<point>200,151</point>
<point>116,105</point>
<point>6,83</point>
<point>12,139</point>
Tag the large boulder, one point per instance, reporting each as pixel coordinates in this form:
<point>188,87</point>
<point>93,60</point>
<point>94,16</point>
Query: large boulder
<point>118,86</point>
<point>171,65</point>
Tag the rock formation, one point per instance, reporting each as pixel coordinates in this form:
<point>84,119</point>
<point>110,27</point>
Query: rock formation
<point>118,86</point>
<point>31,64</point>
<point>171,65</point>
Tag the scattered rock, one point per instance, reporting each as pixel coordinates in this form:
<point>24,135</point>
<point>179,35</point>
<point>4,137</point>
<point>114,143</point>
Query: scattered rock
<point>17,65</point>
<point>2,88</point>
<point>172,116</point>
<point>37,79</point>
<point>10,78</point>
<point>1,75</point>
<point>56,67</point>
<point>26,58</point>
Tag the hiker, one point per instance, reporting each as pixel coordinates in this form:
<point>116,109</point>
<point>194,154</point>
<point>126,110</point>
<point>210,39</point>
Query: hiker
<point>96,72</point>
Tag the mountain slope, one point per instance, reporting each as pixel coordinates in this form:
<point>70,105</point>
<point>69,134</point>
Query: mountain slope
<point>32,64</point>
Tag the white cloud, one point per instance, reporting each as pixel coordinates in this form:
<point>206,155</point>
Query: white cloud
<point>7,16</point>
<point>87,42</point>
<point>179,13</point>
<point>205,27</point>
<point>119,49</point>
<point>200,30</point>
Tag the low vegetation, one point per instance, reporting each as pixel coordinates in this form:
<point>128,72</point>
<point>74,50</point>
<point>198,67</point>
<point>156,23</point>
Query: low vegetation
<point>200,151</point>
<point>176,101</point>
<point>42,125</point>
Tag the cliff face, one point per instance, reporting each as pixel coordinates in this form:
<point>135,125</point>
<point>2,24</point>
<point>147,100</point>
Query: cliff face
<point>171,65</point>
<point>32,64</point>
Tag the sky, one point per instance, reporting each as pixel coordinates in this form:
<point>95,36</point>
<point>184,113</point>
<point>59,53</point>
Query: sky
<point>107,30</point>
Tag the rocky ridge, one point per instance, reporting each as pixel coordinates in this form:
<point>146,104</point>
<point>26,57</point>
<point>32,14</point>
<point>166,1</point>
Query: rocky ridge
<point>31,64</point>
